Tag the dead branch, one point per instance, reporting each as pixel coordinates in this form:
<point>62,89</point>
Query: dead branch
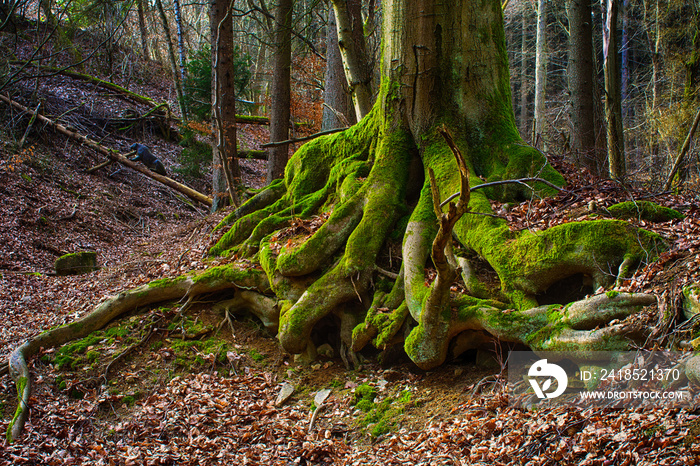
<point>681,154</point>
<point>115,155</point>
<point>104,164</point>
<point>29,126</point>
<point>305,138</point>
<point>252,154</point>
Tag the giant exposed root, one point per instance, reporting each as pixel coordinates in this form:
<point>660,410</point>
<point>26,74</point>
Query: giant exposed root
<point>352,187</point>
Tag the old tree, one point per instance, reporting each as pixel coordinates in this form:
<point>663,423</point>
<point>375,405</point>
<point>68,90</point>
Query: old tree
<point>444,91</point>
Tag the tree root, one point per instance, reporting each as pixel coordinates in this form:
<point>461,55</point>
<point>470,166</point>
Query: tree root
<point>249,285</point>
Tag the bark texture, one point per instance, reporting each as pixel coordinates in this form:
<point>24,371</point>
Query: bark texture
<point>226,169</point>
<point>142,29</point>
<point>353,49</point>
<point>613,104</point>
<point>581,84</point>
<point>280,93</point>
<point>338,111</point>
<point>540,71</point>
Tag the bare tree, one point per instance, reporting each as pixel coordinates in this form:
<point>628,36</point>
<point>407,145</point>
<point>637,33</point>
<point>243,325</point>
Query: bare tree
<point>337,106</point>
<point>581,84</point>
<point>540,70</point>
<point>613,107</point>
<point>226,170</point>
<point>171,56</point>
<point>353,48</point>
<point>281,90</point>
<point>142,29</point>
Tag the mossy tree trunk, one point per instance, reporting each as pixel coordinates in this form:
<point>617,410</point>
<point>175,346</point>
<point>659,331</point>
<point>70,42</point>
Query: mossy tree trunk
<point>444,65</point>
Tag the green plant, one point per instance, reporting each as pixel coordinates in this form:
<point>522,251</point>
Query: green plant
<point>256,356</point>
<point>198,82</point>
<point>194,156</point>
<point>364,392</point>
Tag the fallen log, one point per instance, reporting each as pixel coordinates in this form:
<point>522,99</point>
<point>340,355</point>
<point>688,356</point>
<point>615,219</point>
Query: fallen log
<point>141,99</point>
<point>114,155</point>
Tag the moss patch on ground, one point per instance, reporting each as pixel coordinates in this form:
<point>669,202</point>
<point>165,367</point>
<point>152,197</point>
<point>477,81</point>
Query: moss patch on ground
<point>380,416</point>
<point>644,210</point>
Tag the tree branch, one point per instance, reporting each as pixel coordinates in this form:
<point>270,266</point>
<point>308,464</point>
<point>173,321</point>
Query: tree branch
<point>305,138</point>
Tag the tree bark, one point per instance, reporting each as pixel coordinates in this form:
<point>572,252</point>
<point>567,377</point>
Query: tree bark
<point>524,79</point>
<point>142,29</point>
<point>281,90</point>
<point>171,57</point>
<point>226,170</point>
<point>353,49</point>
<point>653,35</point>
<point>337,104</point>
<point>581,84</point>
<point>257,86</point>
<point>180,44</point>
<point>540,72</point>
<point>613,105</point>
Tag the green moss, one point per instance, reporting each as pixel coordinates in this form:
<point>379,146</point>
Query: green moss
<point>644,210</point>
<point>244,275</point>
<point>364,405</point>
<point>192,353</point>
<point>382,416</point>
<point>166,282</point>
<point>612,294</point>
<point>69,355</point>
<point>319,170</point>
<point>117,331</point>
<point>256,356</point>
<point>76,263</point>
<point>21,385</point>
<point>364,392</point>
<point>529,262</point>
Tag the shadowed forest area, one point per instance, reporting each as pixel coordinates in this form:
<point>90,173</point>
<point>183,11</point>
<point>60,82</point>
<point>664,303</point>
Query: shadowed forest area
<point>314,232</point>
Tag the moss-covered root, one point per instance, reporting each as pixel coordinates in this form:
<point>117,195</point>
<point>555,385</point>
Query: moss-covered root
<point>215,279</point>
<point>267,196</point>
<point>384,318</point>
<point>325,295</point>
<point>581,327</point>
<point>101,316</point>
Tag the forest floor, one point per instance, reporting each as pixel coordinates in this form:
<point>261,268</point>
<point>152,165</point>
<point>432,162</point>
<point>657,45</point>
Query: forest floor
<point>153,390</point>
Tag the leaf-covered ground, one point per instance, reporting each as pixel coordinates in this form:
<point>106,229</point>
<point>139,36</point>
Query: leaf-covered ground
<point>148,391</point>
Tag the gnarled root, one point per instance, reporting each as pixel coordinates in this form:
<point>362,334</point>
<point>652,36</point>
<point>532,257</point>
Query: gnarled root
<point>213,280</point>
